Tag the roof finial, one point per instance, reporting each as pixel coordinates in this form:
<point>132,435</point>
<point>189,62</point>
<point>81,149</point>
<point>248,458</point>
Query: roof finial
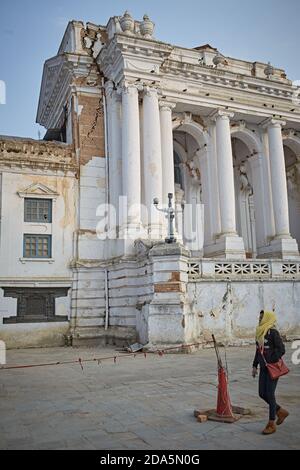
<point>146,27</point>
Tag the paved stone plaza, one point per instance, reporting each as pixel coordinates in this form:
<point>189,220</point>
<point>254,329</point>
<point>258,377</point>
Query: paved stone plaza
<point>137,403</point>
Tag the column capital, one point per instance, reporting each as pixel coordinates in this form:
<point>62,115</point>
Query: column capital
<point>130,88</point>
<point>166,105</point>
<point>149,90</point>
<point>109,88</point>
<point>221,114</point>
<point>273,122</point>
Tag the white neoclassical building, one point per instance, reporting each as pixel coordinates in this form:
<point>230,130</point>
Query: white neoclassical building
<point>142,119</point>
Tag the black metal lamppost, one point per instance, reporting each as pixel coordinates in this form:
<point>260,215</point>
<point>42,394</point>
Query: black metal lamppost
<point>170,214</point>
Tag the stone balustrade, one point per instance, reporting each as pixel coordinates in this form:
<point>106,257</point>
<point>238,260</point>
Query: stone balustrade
<point>251,270</point>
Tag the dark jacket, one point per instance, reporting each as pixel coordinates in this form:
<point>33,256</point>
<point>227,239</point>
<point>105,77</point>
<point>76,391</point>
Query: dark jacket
<point>274,349</point>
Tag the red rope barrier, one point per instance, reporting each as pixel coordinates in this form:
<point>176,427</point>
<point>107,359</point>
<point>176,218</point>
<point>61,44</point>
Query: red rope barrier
<point>101,359</point>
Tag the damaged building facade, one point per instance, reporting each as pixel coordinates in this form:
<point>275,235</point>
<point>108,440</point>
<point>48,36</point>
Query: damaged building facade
<point>83,258</point>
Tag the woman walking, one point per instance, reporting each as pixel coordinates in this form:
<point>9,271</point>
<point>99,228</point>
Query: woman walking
<point>269,348</point>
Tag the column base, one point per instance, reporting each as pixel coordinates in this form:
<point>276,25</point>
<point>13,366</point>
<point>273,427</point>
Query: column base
<point>228,247</point>
<point>280,248</point>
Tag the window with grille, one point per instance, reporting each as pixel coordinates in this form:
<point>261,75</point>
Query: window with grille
<point>38,210</point>
<point>35,305</point>
<point>37,246</point>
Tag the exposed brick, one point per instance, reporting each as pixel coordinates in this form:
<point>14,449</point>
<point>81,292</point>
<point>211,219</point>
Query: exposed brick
<point>175,277</point>
<point>90,128</point>
<point>168,287</point>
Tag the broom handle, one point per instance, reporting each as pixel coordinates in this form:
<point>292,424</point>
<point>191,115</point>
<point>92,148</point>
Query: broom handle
<point>217,351</point>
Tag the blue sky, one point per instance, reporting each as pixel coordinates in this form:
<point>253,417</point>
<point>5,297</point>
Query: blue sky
<point>31,31</point>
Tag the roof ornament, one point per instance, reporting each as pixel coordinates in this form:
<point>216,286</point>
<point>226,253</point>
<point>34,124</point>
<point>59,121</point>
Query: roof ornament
<point>127,23</point>
<point>147,27</point>
<point>218,59</point>
<point>97,46</point>
<point>269,70</point>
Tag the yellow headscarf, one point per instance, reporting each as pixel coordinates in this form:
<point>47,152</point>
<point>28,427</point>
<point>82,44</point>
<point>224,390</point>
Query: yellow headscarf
<point>267,322</point>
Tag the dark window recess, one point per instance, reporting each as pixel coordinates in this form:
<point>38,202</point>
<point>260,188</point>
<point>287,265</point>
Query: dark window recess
<point>35,305</point>
<point>59,134</point>
<point>38,210</point>
<point>177,170</point>
<point>37,246</point>
<point>56,135</point>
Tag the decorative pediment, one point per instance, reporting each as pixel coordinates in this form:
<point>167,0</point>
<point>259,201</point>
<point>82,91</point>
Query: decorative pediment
<point>38,190</point>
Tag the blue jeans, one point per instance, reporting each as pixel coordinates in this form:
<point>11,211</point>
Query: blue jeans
<point>267,388</point>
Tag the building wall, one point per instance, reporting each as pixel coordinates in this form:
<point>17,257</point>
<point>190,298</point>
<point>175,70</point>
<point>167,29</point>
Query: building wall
<point>120,291</point>
<point>43,171</point>
<point>230,310</point>
<point>13,227</point>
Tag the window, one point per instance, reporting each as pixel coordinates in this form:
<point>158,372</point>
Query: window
<point>35,305</point>
<point>38,210</point>
<point>37,246</point>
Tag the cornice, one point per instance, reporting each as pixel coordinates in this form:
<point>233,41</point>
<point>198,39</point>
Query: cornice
<point>125,56</point>
<point>132,58</point>
<point>145,49</point>
<point>60,73</point>
<point>205,75</point>
<point>21,153</point>
<point>241,104</point>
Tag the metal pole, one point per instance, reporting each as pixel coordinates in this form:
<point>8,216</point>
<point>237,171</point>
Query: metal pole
<point>217,352</point>
<point>106,325</point>
<point>171,216</point>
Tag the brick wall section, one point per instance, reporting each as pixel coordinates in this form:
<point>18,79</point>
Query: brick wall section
<point>91,128</point>
<point>174,284</point>
<point>168,287</point>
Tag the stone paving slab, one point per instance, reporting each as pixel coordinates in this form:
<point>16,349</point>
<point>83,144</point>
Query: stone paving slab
<point>141,403</point>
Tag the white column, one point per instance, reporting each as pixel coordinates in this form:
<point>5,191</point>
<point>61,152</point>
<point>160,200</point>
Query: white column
<point>167,151</point>
<point>131,166</point>
<point>203,156</point>
<point>225,173</point>
<point>213,185</point>
<point>228,244</point>
<point>278,179</point>
<point>116,136</point>
<point>114,152</point>
<point>260,201</point>
<point>268,201</point>
<point>152,160</point>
